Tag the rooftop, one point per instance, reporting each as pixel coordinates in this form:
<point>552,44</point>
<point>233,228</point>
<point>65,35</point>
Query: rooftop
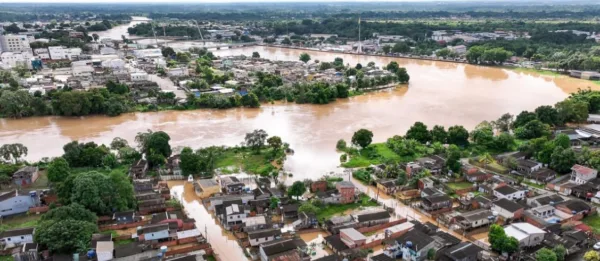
<point>418,238</point>
<point>476,215</point>
<point>281,246</point>
<point>583,170</point>
<point>463,250</point>
<point>382,214</point>
<point>353,234</point>
<point>17,232</point>
<point>508,205</point>
<point>344,184</point>
<point>506,190</point>
<point>206,183</point>
<point>273,232</point>
<point>521,231</point>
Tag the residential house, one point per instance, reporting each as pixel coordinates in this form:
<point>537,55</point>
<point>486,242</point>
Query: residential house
<point>527,234</point>
<point>581,174</point>
<point>152,205</point>
<point>256,223</point>
<point>477,176</point>
<point>14,202</point>
<point>98,237</point>
<point>319,185</point>
<point>372,217</point>
<point>17,236</point>
<point>387,186</point>
<point>549,214</point>
<point>25,176</point>
<point>465,251</point>
<point>173,165</point>
<point>133,251</point>
<point>263,236</point>
<point>105,250</point>
<point>305,221</point>
<point>231,185</point>
<point>335,224</point>
<point>284,249</point>
<point>329,197</point>
<point>380,257</point>
<point>545,199</point>
<point>290,211</point>
<point>509,192</point>
<point>336,244</point>
<point>528,166</point>
<point>425,183</point>
<point>124,217</point>
<point>437,203</point>
<point>347,191</point>
<point>482,202</point>
<point>139,169</point>
<point>158,232</point>
<point>578,208</point>
<point>428,192</point>
<point>413,168</point>
<point>435,164</point>
<point>217,200</point>
<point>474,219</point>
<point>232,213</point>
<point>205,188</point>
<point>414,245</point>
<point>542,175</point>
<point>508,209</point>
<point>143,186</point>
<point>352,238</point>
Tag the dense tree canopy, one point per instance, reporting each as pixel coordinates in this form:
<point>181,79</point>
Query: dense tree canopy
<point>362,138</point>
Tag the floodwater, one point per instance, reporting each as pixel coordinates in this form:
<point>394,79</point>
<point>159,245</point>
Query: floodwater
<point>222,242</point>
<point>116,32</point>
<point>439,93</point>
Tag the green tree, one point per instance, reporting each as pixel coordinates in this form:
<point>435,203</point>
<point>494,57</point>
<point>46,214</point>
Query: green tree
<point>250,100</point>
<point>560,252</point>
<point>401,47</point>
<point>523,118</point>
<point>548,115</point>
<point>308,208</point>
<point>458,135</point>
<point>402,75</point>
<point>341,144</point>
<point>58,170</point>
<point>72,211</point>
<point>503,123</point>
<point>532,129</point>
<point>117,143</point>
<point>275,142</point>
<point>386,49</point>
<point>15,104</point>
<point>419,132</point>
<point>483,136</point>
<point>496,236</point>
<point>571,110</point>
<point>274,202</point>
<point>453,161</point>
<point>562,140</point>
<point>562,159</point>
<point>591,255</point>
<point>393,67</point>
<point>13,152</point>
<point>256,139</point>
<point>154,143</point>
<point>474,54</point>
<point>65,236</point>
<point>255,55</point>
<point>431,254</point>
<point>168,52</point>
<point>297,189</point>
<point>362,138</point>
<point>504,142</point>
<point>304,57</point>
<point>545,254</point>
<point>439,134</point>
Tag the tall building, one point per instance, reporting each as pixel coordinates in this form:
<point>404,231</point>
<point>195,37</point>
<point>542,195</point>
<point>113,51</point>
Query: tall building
<point>14,43</point>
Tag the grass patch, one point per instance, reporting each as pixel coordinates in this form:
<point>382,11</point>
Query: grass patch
<point>540,186</point>
<point>532,70</point>
<point>232,159</point>
<point>459,185</point>
<point>210,258</point>
<point>124,242</point>
<point>376,153</point>
<point>331,210</point>
<point>20,221</point>
<point>593,221</point>
<point>120,168</point>
<point>7,258</point>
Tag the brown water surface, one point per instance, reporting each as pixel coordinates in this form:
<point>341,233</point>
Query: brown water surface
<point>439,93</point>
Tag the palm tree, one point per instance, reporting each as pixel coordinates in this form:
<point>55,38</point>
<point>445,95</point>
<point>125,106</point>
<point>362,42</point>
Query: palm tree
<point>486,159</point>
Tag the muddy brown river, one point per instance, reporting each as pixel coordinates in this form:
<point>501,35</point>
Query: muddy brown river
<point>439,93</point>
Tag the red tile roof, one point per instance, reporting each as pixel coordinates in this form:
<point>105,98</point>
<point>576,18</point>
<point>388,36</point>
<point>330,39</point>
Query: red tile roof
<point>583,170</point>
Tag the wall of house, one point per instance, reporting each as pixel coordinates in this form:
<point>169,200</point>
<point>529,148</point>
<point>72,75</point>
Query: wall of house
<point>235,218</point>
<point>104,256</point>
<point>373,222</point>
<point>513,196</point>
<point>261,240</point>
<point>532,240</point>
<point>18,239</point>
<point>16,205</point>
<point>502,212</point>
<point>156,235</point>
<point>347,195</point>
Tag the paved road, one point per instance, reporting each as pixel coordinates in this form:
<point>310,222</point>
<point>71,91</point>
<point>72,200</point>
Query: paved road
<point>166,84</point>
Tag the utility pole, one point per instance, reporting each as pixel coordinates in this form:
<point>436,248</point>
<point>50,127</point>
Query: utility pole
<point>359,50</point>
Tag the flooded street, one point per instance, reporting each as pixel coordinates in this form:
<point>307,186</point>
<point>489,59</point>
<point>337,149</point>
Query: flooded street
<point>439,93</point>
<point>222,242</point>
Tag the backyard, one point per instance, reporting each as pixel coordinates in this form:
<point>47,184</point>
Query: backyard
<point>376,153</point>
<point>459,185</point>
<point>232,161</point>
<point>593,221</point>
<point>19,221</point>
<point>331,210</point>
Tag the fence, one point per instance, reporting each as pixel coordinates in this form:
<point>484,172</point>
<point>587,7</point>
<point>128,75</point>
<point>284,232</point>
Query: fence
<point>172,177</point>
<point>38,210</point>
<point>381,226</point>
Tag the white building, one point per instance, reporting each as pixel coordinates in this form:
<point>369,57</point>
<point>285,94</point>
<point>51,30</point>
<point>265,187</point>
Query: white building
<point>14,43</point>
<point>527,234</point>
<point>13,59</point>
<point>139,76</point>
<point>147,53</point>
<point>104,250</point>
<point>509,192</point>
<point>582,174</point>
<point>42,53</point>
<point>263,236</point>
<point>82,70</point>
<point>459,49</point>
<point>114,64</point>
<point>61,53</point>
<point>17,236</point>
<point>178,72</point>
<point>107,50</point>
